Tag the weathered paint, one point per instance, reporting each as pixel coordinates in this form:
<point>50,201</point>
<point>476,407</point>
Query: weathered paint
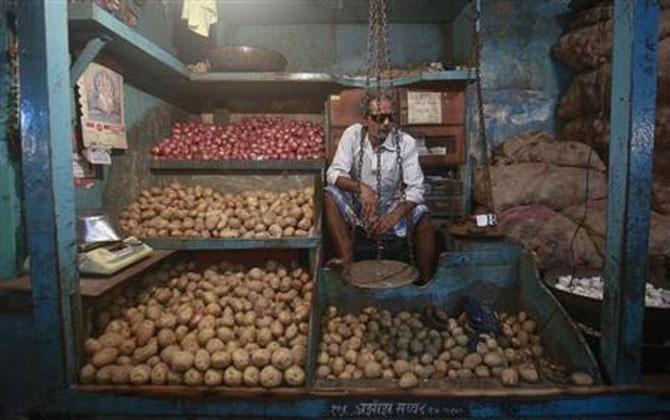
<point>11,243</point>
<point>48,185</point>
<point>631,148</point>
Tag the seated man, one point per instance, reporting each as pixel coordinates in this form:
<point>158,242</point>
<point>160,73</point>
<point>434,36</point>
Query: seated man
<point>352,172</point>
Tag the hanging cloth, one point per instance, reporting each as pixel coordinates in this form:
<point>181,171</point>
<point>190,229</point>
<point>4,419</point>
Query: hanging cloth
<point>199,15</point>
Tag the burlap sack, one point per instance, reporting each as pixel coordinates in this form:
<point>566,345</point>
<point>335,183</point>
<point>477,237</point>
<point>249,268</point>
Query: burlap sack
<point>595,224</point>
<point>549,235</point>
<point>589,93</point>
<point>539,146</point>
<point>556,187</point>
<point>589,47</point>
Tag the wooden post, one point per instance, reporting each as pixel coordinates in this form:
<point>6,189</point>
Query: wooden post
<point>46,140</point>
<point>631,148</point>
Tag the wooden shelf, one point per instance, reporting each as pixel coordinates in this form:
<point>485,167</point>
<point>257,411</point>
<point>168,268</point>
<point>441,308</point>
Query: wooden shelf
<point>201,244</point>
<point>94,287</point>
<point>236,166</point>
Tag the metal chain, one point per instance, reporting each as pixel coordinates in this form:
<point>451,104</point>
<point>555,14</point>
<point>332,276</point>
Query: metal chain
<point>480,111</point>
<point>403,192</point>
<point>379,197</point>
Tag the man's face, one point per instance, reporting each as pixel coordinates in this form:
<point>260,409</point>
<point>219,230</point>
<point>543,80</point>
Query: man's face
<point>380,118</point>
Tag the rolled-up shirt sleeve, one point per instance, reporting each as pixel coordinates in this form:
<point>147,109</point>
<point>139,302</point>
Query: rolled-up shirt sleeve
<point>343,159</point>
<point>413,175</point>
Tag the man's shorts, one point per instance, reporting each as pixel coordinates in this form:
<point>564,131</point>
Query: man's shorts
<point>350,209</point>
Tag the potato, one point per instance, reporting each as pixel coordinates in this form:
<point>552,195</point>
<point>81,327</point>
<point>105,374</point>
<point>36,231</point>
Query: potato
<point>240,359</point>
<point>181,361</point>
<point>251,376</point>
<point>127,347</point>
<point>528,373</point>
<point>281,358</point>
<point>493,359</point>
<point>193,377</point>
<point>104,357</point>
<point>159,374</point>
<point>509,377</point>
<point>166,337</point>
<point>202,361</point>
<point>225,334</point>
<point>91,346</point>
<point>261,357</point>
<point>214,345</point>
<point>408,380</point>
<point>400,367</point>
<point>87,374</point>
<point>337,365</point>
<point>141,354</point>
<point>144,331</point>
<point>581,379</point>
<point>232,376</point>
<point>372,370</point>
<point>180,332</point>
<point>472,360</point>
<point>111,339</point>
<point>167,352</point>
<point>103,375</point>
<point>270,377</point>
<point>140,374</point>
<point>458,353</point>
<point>221,359</point>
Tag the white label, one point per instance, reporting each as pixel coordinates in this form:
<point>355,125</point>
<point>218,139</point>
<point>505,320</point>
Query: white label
<point>98,156</point>
<point>424,108</point>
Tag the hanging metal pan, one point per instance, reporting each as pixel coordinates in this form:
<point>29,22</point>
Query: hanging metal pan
<point>245,58</point>
<point>380,274</point>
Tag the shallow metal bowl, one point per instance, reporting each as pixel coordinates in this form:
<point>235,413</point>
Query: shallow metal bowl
<point>244,58</point>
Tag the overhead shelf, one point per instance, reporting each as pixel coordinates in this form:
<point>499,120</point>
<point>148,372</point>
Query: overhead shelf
<point>201,244</point>
<point>149,67</point>
<point>237,166</point>
<point>142,63</point>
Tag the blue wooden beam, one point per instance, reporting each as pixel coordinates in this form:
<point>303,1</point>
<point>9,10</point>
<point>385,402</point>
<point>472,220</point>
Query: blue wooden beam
<point>631,148</point>
<point>46,140</point>
<point>86,57</point>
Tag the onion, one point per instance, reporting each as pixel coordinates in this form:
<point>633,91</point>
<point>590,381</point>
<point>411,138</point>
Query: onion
<point>247,139</point>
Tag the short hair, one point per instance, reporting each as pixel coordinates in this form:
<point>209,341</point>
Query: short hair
<point>373,96</point>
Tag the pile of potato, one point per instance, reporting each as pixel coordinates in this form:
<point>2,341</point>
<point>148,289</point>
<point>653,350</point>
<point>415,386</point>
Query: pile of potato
<point>376,344</point>
<point>221,326</point>
<point>199,212</point>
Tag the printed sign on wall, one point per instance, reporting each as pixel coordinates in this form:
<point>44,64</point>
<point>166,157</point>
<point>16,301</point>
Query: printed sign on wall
<point>102,111</point>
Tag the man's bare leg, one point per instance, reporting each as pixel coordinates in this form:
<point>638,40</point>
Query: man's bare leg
<point>339,230</point>
<point>424,249</point>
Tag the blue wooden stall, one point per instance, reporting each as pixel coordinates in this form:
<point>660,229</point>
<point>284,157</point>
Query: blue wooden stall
<point>39,348</point>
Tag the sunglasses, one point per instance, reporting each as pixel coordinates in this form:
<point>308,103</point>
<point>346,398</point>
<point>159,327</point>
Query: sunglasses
<point>380,118</point>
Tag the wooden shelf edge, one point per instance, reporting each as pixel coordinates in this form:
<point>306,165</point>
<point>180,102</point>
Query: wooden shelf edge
<point>94,287</point>
<point>196,244</point>
<point>311,165</point>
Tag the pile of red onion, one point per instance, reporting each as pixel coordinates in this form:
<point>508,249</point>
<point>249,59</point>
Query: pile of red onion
<point>247,139</point>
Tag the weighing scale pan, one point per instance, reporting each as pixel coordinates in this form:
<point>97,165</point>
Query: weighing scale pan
<point>380,274</point>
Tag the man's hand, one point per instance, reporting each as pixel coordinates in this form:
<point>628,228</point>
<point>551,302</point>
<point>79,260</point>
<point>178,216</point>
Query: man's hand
<point>369,202</point>
<point>383,224</point>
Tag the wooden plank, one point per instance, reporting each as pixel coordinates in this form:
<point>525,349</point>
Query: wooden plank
<point>94,287</point>
<point>237,166</point>
<point>216,243</point>
<point>97,286</point>
<point>631,147</point>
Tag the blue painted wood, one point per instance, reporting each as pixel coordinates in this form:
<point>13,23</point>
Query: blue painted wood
<point>86,57</point>
<point>217,243</point>
<point>87,20</point>
<point>631,147</point>
<point>48,185</point>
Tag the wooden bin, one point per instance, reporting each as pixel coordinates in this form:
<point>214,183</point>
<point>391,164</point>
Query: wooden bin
<point>500,272</point>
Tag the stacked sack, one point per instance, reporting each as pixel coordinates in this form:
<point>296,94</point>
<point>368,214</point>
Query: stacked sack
<point>540,194</point>
<point>586,49</point>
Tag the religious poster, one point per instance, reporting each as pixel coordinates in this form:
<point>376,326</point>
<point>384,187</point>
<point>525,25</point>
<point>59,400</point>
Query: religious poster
<point>102,110</point>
